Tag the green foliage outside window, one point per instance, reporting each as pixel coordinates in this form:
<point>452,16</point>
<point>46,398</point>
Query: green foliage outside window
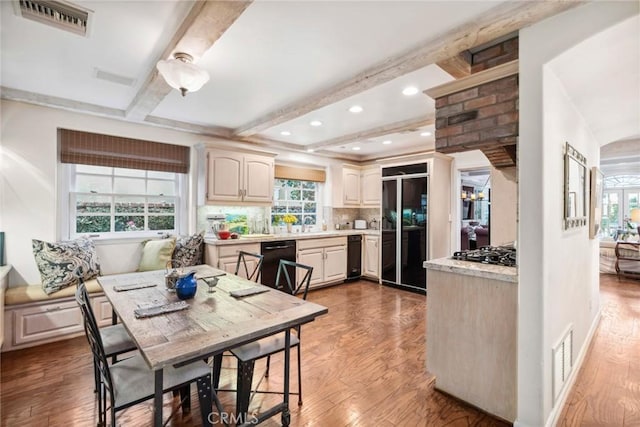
<point>297,198</point>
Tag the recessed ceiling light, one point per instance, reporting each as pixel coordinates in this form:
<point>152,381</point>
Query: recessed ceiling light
<point>310,150</point>
<point>425,134</point>
<point>316,123</point>
<point>285,133</point>
<point>355,148</point>
<point>387,142</point>
<point>410,90</point>
<point>356,109</point>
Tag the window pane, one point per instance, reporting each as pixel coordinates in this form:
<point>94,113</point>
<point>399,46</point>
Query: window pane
<point>167,206</point>
<point>309,185</point>
<point>294,194</point>
<point>128,186</point>
<point>309,220</point>
<point>279,193</point>
<point>129,205</point>
<point>309,195</point>
<point>129,172</point>
<point>129,223</point>
<point>101,170</point>
<point>93,224</point>
<point>161,222</point>
<point>295,207</point>
<point>165,188</point>
<point>93,204</point>
<point>161,175</point>
<point>279,209</point>
<point>93,184</point>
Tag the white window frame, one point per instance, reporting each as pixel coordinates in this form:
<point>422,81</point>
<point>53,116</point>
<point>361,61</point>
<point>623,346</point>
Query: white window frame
<point>318,201</point>
<point>68,216</point>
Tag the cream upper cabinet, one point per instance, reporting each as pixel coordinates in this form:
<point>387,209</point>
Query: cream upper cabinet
<point>258,179</point>
<point>239,177</point>
<point>351,186</point>
<point>345,185</point>
<point>371,256</point>
<point>371,187</point>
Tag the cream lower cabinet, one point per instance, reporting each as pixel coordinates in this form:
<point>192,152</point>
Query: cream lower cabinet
<point>30,324</point>
<point>371,257</point>
<point>225,257</point>
<point>328,257</point>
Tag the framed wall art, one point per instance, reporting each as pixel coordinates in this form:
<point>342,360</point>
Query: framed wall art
<point>595,211</point>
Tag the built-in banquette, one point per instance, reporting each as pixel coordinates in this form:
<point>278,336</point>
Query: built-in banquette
<point>33,317</point>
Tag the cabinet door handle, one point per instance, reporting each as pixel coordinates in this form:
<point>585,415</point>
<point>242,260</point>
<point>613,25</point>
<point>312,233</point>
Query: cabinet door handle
<point>56,308</point>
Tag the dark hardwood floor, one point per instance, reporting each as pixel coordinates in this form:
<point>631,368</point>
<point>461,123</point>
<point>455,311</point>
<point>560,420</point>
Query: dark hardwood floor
<point>363,365</point>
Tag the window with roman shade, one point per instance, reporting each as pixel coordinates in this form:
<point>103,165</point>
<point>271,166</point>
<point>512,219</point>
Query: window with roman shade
<point>123,186</point>
<point>296,192</point>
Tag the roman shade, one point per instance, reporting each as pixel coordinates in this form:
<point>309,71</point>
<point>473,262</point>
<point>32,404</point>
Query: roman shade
<point>95,149</point>
<point>301,174</point>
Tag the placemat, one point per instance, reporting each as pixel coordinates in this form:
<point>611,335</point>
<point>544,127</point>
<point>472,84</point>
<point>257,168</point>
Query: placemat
<point>160,309</point>
<point>248,291</point>
<point>122,288</point>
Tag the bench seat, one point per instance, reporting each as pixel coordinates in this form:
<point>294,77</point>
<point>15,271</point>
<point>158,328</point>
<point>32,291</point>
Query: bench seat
<point>34,293</point>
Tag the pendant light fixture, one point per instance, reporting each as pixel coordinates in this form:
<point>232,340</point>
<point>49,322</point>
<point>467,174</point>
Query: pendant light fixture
<point>182,74</point>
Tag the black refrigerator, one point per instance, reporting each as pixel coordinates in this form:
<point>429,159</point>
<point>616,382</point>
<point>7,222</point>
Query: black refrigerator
<point>404,226</point>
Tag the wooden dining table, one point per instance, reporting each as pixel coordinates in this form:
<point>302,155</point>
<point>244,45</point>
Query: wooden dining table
<point>213,322</point>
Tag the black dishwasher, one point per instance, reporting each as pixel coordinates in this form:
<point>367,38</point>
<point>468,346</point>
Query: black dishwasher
<point>273,252</point>
<point>354,251</point>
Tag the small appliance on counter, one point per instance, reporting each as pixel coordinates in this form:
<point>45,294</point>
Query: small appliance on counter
<point>216,222</point>
<point>360,224</point>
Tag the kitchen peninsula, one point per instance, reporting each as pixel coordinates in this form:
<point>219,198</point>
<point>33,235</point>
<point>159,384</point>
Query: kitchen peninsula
<point>471,333</point>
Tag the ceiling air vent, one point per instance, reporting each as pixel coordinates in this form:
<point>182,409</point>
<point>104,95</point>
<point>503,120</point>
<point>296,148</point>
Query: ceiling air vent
<point>59,14</point>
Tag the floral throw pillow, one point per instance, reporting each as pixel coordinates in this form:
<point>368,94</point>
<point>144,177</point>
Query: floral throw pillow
<point>59,263</point>
<point>188,251</point>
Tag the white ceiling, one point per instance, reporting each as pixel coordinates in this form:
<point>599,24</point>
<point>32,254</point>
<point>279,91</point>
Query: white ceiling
<point>276,54</point>
<point>602,78</point>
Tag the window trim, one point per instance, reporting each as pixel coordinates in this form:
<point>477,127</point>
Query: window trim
<point>318,202</point>
<point>67,215</point>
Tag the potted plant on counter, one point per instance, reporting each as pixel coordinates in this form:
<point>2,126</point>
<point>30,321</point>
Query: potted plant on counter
<point>289,220</point>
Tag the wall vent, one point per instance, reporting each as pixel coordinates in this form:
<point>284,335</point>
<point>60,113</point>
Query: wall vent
<point>114,78</point>
<point>58,14</point>
<point>562,363</point>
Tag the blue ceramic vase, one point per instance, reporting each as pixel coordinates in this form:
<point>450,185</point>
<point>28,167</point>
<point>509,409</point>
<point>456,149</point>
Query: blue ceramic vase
<point>186,285</point>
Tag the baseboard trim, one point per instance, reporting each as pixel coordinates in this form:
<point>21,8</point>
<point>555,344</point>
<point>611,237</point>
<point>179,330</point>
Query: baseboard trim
<point>552,420</point>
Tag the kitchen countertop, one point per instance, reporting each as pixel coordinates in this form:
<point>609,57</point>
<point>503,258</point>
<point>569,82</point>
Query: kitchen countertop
<point>477,269</point>
<point>257,238</point>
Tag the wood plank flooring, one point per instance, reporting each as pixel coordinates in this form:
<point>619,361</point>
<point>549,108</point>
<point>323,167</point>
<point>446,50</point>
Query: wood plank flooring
<point>607,390</point>
<point>363,365</point>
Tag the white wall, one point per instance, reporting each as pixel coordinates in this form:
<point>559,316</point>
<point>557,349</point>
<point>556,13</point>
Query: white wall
<point>29,170</point>
<point>558,270</point>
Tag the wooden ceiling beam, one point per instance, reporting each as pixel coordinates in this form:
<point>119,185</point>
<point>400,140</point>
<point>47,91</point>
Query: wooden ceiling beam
<point>458,66</point>
<point>404,125</point>
<point>494,23</point>
<point>204,25</point>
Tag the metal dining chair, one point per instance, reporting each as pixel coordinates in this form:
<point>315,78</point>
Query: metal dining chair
<point>131,381</point>
<point>115,338</point>
<point>255,273</point>
<point>247,354</point>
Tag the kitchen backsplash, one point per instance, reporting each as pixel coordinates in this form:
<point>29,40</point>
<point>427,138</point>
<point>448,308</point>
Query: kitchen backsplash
<point>257,216</point>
